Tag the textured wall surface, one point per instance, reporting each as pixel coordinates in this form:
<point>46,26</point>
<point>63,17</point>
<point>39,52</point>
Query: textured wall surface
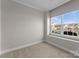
<point>68,7</point>
<point>0,25</point>
<point>21,25</point>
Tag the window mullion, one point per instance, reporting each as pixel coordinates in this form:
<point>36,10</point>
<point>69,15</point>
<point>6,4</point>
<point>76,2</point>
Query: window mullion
<point>62,25</point>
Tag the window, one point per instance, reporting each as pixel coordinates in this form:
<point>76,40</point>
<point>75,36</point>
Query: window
<point>66,24</point>
<point>56,24</point>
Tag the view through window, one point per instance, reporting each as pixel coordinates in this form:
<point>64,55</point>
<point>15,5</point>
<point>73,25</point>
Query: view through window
<point>56,24</point>
<point>67,24</point>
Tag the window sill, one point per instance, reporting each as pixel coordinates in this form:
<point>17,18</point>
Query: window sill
<point>76,38</point>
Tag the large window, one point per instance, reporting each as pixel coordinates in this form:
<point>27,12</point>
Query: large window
<point>66,24</point>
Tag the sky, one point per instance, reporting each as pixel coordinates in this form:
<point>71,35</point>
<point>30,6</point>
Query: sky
<point>67,19</point>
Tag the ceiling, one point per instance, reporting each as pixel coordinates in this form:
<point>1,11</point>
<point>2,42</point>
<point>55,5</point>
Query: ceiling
<point>43,5</point>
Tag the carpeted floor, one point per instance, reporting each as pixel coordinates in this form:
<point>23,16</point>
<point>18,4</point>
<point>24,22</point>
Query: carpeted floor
<point>41,50</point>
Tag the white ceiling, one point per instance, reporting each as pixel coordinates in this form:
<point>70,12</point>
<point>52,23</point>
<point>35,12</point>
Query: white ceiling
<point>43,5</point>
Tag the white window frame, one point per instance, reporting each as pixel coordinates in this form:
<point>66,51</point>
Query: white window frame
<point>62,35</point>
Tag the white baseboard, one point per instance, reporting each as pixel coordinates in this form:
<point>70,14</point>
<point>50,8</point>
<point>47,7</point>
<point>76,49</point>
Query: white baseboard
<point>20,47</point>
<point>72,52</point>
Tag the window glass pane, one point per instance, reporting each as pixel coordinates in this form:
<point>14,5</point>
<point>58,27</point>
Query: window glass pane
<point>56,24</point>
<point>71,24</point>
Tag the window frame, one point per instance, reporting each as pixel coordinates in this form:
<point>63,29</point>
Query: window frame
<point>62,35</point>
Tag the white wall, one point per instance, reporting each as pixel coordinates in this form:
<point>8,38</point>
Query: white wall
<point>21,25</point>
<point>68,7</point>
<point>70,46</point>
<point>0,25</point>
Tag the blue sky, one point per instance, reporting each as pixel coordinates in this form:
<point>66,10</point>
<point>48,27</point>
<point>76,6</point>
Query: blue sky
<point>68,18</point>
<point>56,20</point>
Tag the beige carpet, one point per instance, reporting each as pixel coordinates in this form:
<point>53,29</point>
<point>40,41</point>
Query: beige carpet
<point>41,50</point>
